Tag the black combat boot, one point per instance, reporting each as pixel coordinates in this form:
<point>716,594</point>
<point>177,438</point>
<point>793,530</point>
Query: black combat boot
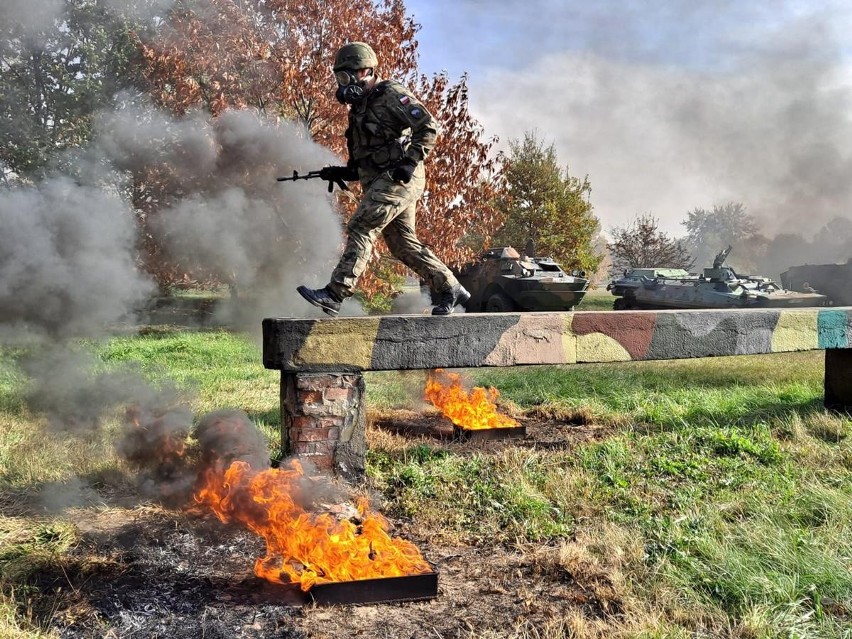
<point>449,298</point>
<point>323,298</point>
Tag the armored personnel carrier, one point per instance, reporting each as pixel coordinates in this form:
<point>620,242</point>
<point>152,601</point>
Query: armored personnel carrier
<point>502,280</point>
<point>832,280</point>
<point>633,278</point>
<point>717,287</point>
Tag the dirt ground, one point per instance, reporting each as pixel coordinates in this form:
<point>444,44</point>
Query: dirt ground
<point>150,572</point>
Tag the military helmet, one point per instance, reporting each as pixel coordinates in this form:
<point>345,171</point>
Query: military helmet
<point>354,56</point>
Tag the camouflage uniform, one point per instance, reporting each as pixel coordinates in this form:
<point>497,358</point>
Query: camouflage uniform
<point>387,126</point>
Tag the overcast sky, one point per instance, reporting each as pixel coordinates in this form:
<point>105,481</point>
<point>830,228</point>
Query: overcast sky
<point>667,106</point>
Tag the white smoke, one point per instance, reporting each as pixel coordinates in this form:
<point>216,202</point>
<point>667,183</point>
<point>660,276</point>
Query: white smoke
<point>32,16</point>
<point>777,139</point>
<point>670,106</point>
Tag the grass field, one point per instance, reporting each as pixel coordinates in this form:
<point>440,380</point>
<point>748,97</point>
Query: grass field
<point>596,299</point>
<point>714,501</point>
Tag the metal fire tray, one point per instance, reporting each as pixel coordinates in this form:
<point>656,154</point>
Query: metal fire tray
<point>381,590</point>
<point>485,434</point>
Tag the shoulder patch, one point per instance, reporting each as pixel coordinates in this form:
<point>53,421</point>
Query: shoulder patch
<point>416,112</point>
<point>404,99</point>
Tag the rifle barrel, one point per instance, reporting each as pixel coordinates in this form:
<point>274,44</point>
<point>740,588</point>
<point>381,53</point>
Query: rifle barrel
<point>308,176</point>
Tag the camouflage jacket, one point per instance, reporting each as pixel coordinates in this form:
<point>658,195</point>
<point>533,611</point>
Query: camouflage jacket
<point>388,125</point>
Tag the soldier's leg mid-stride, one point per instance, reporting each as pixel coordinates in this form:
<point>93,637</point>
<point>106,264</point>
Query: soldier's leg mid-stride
<point>387,208</point>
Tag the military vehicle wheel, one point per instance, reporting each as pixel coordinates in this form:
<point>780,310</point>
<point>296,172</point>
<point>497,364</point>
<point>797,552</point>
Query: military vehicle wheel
<point>620,304</point>
<point>499,303</point>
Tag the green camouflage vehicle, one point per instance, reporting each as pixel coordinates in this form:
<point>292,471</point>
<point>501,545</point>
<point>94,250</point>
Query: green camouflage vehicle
<point>633,278</point>
<point>501,280</point>
<point>717,287</point>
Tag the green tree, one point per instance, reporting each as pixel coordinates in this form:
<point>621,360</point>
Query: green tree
<point>642,244</point>
<point>708,232</point>
<point>54,78</point>
<point>548,206</point>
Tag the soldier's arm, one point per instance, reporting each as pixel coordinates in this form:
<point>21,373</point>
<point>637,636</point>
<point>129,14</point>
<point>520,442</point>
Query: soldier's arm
<point>424,128</point>
<point>350,174</point>
<point>351,163</point>
<point>424,134</point>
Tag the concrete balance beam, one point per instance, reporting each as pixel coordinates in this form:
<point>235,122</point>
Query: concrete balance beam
<point>316,353</point>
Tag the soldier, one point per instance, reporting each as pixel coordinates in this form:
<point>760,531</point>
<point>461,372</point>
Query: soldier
<point>390,133</point>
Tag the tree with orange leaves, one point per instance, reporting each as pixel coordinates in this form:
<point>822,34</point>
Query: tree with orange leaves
<point>275,56</point>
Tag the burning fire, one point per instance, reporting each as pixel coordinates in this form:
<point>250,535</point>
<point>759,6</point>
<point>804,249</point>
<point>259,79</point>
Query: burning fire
<point>304,547</point>
<point>476,411</point>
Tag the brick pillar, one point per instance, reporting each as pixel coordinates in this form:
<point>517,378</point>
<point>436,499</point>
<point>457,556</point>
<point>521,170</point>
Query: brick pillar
<point>323,420</point>
<point>838,379</point>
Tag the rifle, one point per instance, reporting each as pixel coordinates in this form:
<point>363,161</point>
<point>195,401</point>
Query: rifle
<point>310,175</point>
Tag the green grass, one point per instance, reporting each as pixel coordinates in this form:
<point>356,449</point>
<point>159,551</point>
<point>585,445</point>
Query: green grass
<point>720,497</point>
<point>503,497</point>
<point>596,299</point>
<point>736,481</point>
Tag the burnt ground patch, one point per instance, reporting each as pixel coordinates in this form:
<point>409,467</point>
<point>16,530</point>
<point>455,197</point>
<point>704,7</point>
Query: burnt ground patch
<point>143,571</point>
<point>146,572</point>
<point>543,431</point>
<point>170,575</point>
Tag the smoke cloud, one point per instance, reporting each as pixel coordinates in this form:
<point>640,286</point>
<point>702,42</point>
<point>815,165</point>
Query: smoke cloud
<point>233,219</point>
<point>68,247</point>
<point>69,255</point>
<point>67,270</point>
<point>772,133</point>
<point>76,390</point>
<point>227,436</point>
<point>30,16</point>
<point>67,261</point>
<point>670,106</point>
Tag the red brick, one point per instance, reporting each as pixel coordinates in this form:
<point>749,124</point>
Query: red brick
<point>337,394</point>
<point>308,422</point>
<point>325,410</point>
<point>311,397</point>
<point>303,421</point>
<point>312,448</point>
<point>312,435</point>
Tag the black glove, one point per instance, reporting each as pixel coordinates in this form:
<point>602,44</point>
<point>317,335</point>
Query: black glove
<point>404,170</point>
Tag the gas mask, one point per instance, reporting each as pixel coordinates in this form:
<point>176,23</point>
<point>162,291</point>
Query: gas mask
<point>350,90</point>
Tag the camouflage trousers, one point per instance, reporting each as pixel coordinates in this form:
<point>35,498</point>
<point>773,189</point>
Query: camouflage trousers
<point>388,208</point>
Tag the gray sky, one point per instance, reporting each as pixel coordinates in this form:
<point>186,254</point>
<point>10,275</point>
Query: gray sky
<point>667,106</point>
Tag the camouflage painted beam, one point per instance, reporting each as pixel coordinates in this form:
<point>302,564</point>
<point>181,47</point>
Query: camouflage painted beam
<point>322,407</point>
<point>400,342</point>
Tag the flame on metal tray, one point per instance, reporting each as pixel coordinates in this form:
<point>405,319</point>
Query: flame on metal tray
<point>471,411</point>
<point>305,547</point>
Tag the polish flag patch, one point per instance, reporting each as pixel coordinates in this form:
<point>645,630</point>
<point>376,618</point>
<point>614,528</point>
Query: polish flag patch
<point>404,100</point>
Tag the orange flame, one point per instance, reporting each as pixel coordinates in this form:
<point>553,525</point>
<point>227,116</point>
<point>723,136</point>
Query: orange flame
<point>476,411</point>
<point>303,547</point>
